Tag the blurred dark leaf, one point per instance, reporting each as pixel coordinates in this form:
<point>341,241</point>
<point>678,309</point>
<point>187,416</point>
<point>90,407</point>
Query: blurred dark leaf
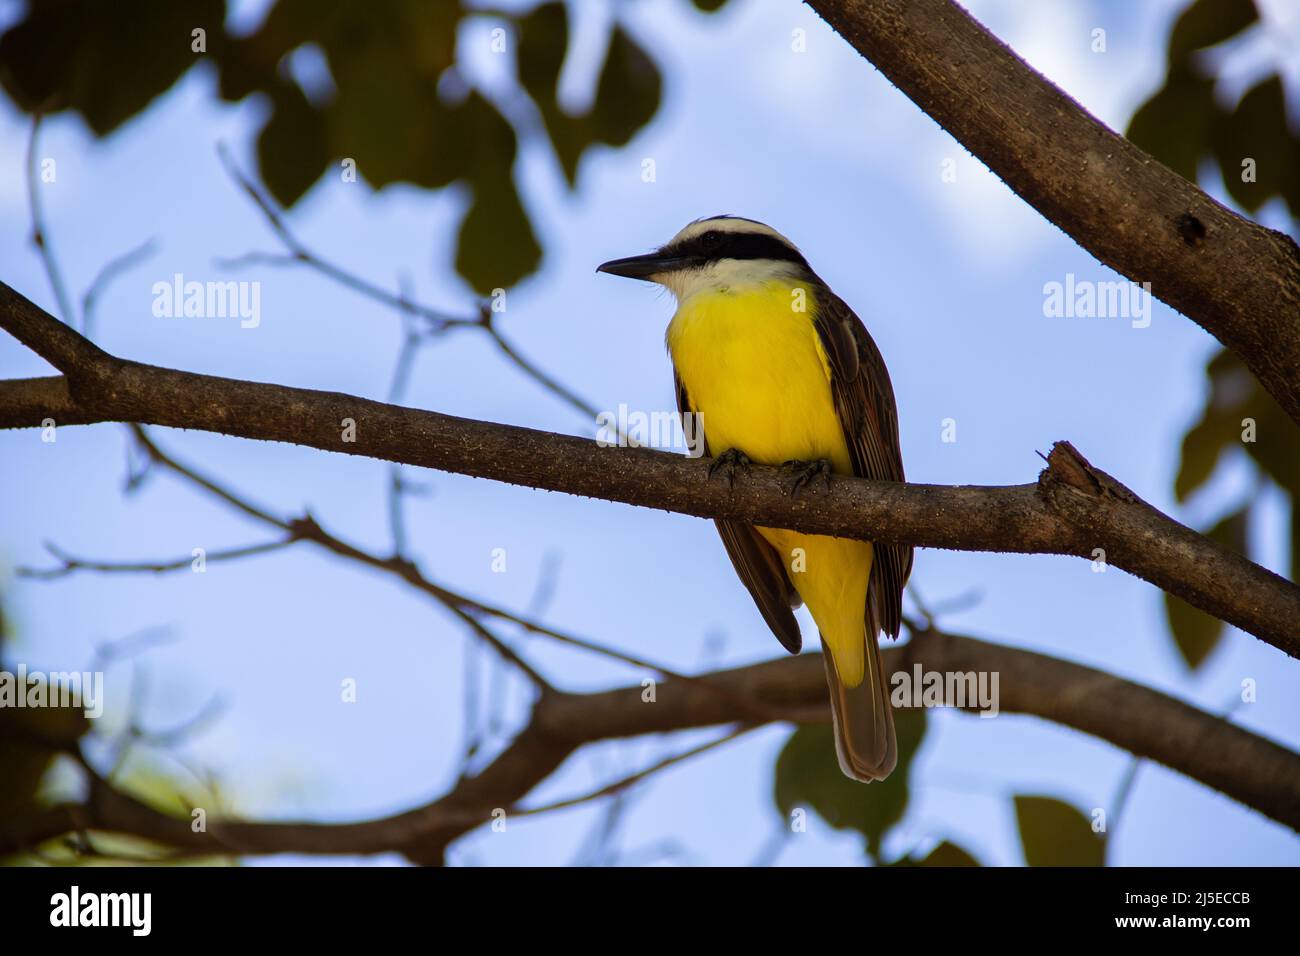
<point>251,63</point>
<point>1203,445</point>
<point>627,95</point>
<point>30,739</point>
<point>949,854</point>
<point>291,149</point>
<point>1238,409</point>
<point>1182,124</point>
<point>385,116</point>
<point>1053,833</point>
<point>1207,22</point>
<point>1258,130</point>
<point>1276,448</point>
<point>808,776</point>
<point>946,854</point>
<point>627,92</point>
<point>709,6</point>
<point>543,45</point>
<point>1177,125</point>
<point>496,246</point>
<point>391,102</point>
<point>1196,633</point>
<point>107,61</point>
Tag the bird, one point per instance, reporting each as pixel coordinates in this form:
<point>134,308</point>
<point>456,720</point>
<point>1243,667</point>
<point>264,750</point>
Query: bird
<point>780,371</point>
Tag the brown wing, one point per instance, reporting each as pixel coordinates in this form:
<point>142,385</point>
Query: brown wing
<point>864,400</point>
<point>758,564</point>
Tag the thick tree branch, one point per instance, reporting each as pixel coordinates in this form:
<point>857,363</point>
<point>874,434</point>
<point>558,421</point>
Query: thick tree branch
<point>1249,768</point>
<point>1073,509</point>
<point>1236,279</point>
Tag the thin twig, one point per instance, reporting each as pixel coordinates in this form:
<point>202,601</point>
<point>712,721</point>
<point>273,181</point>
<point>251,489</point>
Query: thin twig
<point>460,604</point>
<point>624,783</point>
<point>437,320</point>
<point>40,231</point>
<point>110,271</point>
<point>70,564</point>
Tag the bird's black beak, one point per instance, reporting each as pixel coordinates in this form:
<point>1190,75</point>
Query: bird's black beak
<point>645,267</point>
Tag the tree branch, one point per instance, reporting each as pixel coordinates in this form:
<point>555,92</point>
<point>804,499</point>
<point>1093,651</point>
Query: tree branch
<point>1251,769</point>
<point>1233,277</point>
<point>1073,509</point>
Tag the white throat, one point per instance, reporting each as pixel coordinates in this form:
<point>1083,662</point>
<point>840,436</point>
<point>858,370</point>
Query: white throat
<point>727,277</point>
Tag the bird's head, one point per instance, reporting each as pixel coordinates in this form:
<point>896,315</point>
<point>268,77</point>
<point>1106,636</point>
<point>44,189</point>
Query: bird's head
<point>719,254</point>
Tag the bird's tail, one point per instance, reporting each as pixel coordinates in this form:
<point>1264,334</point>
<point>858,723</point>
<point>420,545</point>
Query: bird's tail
<point>864,719</point>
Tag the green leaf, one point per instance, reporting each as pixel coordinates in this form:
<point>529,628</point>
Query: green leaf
<point>107,61</point>
<point>946,854</point>
<point>1177,125</point>
<point>1203,445</point>
<point>496,246</point>
<point>543,45</point>
<point>1276,445</point>
<point>291,149</point>
<point>387,116</point>
<point>1053,833</point>
<point>1258,130</point>
<point>808,776</point>
<point>949,854</point>
<point>249,63</point>
<point>1235,394</point>
<point>30,739</point>
<point>627,92</point>
<point>1207,22</point>
<point>627,95</point>
<point>1196,634</point>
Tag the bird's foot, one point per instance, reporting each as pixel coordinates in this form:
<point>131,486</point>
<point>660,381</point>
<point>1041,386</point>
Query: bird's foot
<point>729,462</point>
<point>802,474</point>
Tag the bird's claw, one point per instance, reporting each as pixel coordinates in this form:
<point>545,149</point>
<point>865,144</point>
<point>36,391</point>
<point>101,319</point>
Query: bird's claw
<point>803,473</point>
<point>729,461</point>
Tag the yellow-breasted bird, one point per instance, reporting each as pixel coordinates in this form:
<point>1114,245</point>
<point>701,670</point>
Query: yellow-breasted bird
<point>782,372</point>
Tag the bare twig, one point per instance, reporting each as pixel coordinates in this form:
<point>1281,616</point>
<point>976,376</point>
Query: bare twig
<point>110,271</point>
<point>437,320</point>
<point>70,564</point>
<point>40,230</point>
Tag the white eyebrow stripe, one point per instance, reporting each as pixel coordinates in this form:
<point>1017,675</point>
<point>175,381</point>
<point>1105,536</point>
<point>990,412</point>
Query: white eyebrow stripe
<point>749,226</point>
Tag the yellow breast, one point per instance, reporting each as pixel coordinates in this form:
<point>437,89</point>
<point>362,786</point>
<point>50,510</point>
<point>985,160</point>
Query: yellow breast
<point>755,370</point>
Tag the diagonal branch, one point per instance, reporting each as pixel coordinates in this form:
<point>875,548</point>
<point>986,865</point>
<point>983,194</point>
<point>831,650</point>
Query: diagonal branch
<point>1073,509</point>
<point>1236,279</point>
<point>1246,767</point>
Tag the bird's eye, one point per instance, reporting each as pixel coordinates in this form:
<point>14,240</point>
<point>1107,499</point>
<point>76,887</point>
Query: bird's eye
<point>711,239</point>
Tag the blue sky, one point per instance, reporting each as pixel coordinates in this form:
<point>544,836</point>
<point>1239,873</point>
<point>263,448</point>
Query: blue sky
<point>948,276</point>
